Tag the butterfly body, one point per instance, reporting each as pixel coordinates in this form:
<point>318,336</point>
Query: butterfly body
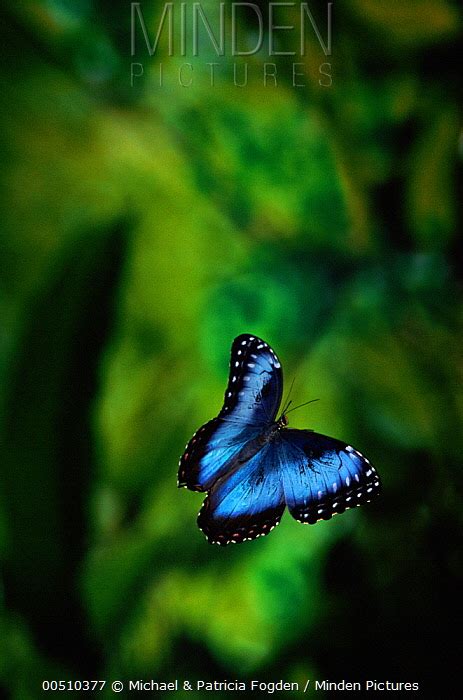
<point>252,465</point>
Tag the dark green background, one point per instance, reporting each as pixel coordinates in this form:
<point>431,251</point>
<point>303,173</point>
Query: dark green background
<point>141,230</point>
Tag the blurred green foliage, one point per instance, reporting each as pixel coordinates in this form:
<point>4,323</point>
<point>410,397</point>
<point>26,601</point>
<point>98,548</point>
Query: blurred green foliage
<point>142,229</point>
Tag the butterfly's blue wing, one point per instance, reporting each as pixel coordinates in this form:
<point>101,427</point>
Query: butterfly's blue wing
<point>323,476</point>
<point>255,383</point>
<point>251,402</point>
<point>247,503</point>
<point>211,451</point>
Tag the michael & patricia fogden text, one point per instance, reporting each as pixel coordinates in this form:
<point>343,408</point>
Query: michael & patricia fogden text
<point>272,686</point>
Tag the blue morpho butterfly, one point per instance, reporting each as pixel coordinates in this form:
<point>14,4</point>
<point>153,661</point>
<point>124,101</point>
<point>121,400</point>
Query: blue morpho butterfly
<point>252,466</point>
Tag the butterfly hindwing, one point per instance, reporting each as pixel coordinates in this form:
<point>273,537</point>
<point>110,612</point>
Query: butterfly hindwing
<point>251,402</point>
<point>246,504</point>
<point>323,476</point>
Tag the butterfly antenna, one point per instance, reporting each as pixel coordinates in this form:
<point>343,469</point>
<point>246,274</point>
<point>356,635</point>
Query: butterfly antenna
<point>300,405</point>
<point>288,401</point>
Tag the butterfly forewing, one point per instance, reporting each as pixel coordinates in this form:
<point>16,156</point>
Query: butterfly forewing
<point>210,452</point>
<point>251,402</point>
<point>255,383</point>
